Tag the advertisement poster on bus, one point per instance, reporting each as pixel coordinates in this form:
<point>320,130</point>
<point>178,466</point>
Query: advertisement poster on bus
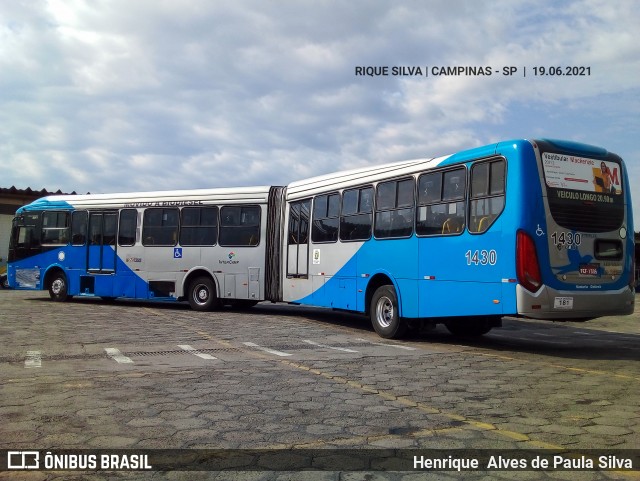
<point>582,174</point>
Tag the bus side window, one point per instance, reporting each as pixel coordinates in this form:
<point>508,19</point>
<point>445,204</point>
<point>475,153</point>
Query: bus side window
<point>487,194</point>
<point>294,222</point>
<point>239,226</point>
<point>441,202</point>
<point>326,211</point>
<point>79,228</point>
<point>55,228</point>
<point>109,228</point>
<point>356,218</point>
<point>394,209</point>
<point>199,226</point>
<point>128,226</point>
<point>160,227</point>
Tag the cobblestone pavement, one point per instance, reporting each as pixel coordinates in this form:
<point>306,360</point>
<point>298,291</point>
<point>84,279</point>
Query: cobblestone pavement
<point>122,375</point>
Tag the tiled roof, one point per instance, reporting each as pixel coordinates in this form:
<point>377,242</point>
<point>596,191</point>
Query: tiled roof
<point>30,192</point>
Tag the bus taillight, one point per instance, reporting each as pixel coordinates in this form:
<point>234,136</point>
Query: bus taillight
<point>527,267</point>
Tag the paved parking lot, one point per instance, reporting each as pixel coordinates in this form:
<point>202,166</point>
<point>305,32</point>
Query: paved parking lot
<point>90,374</point>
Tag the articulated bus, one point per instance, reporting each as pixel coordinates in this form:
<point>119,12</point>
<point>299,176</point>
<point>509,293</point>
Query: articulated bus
<point>539,229</point>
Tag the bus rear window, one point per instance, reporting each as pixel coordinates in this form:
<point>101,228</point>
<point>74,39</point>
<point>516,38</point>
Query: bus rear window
<point>584,194</point>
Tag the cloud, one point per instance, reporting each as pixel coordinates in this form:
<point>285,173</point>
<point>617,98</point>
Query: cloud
<point>151,95</point>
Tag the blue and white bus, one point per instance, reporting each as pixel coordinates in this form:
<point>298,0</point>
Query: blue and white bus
<point>539,229</point>
<point>205,246</point>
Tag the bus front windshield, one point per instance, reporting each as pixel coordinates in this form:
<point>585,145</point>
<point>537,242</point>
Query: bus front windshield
<point>25,236</point>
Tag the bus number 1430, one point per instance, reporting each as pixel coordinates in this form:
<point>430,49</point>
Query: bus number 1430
<point>482,258</point>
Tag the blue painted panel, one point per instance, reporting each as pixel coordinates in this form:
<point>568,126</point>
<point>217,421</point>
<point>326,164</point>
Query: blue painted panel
<point>509,303</point>
<point>45,204</point>
<point>343,293</point>
<point>451,298</point>
<point>104,285</point>
<point>126,283</point>
<point>409,297</point>
<point>338,291</point>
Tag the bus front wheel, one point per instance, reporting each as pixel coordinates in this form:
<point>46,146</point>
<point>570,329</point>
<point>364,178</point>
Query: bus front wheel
<point>385,315</point>
<point>58,288</point>
<point>202,294</point>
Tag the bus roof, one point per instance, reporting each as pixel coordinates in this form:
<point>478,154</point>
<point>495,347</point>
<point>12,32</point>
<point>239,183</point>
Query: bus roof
<point>365,175</point>
<point>170,198</point>
<point>354,177</point>
<point>295,190</point>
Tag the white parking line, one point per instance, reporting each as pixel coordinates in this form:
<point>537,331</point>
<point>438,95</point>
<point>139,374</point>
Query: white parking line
<point>270,351</point>
<point>34,359</point>
<point>313,343</point>
<point>117,356</point>
<point>195,352</point>
<point>397,346</point>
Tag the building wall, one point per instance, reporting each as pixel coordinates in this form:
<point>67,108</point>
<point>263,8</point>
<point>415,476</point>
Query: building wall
<point>5,230</point>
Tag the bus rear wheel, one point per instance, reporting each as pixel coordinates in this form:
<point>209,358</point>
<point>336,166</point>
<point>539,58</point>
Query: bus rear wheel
<point>472,328</point>
<point>202,294</point>
<point>58,289</point>
<point>384,313</point>
<point>242,304</point>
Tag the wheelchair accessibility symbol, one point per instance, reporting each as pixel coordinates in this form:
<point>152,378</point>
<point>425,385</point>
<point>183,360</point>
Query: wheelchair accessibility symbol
<point>177,252</point>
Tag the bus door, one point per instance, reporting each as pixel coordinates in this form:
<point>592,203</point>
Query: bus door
<point>299,284</point>
<point>101,247</point>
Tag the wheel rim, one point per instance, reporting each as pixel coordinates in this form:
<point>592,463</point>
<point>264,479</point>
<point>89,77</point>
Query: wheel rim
<point>201,294</point>
<point>57,286</point>
<point>384,311</point>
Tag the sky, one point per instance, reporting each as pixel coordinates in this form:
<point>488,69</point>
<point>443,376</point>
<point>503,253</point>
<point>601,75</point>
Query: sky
<point>121,95</point>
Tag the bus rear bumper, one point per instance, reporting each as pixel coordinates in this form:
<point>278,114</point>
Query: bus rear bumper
<point>552,304</point>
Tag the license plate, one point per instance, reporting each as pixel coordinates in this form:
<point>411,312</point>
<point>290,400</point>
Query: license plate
<point>563,303</point>
<point>589,269</point>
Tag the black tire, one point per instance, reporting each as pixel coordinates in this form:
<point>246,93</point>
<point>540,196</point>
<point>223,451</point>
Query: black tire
<point>471,328</point>
<point>4,281</point>
<point>202,294</point>
<point>384,313</point>
<point>58,287</point>
<point>242,304</point>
